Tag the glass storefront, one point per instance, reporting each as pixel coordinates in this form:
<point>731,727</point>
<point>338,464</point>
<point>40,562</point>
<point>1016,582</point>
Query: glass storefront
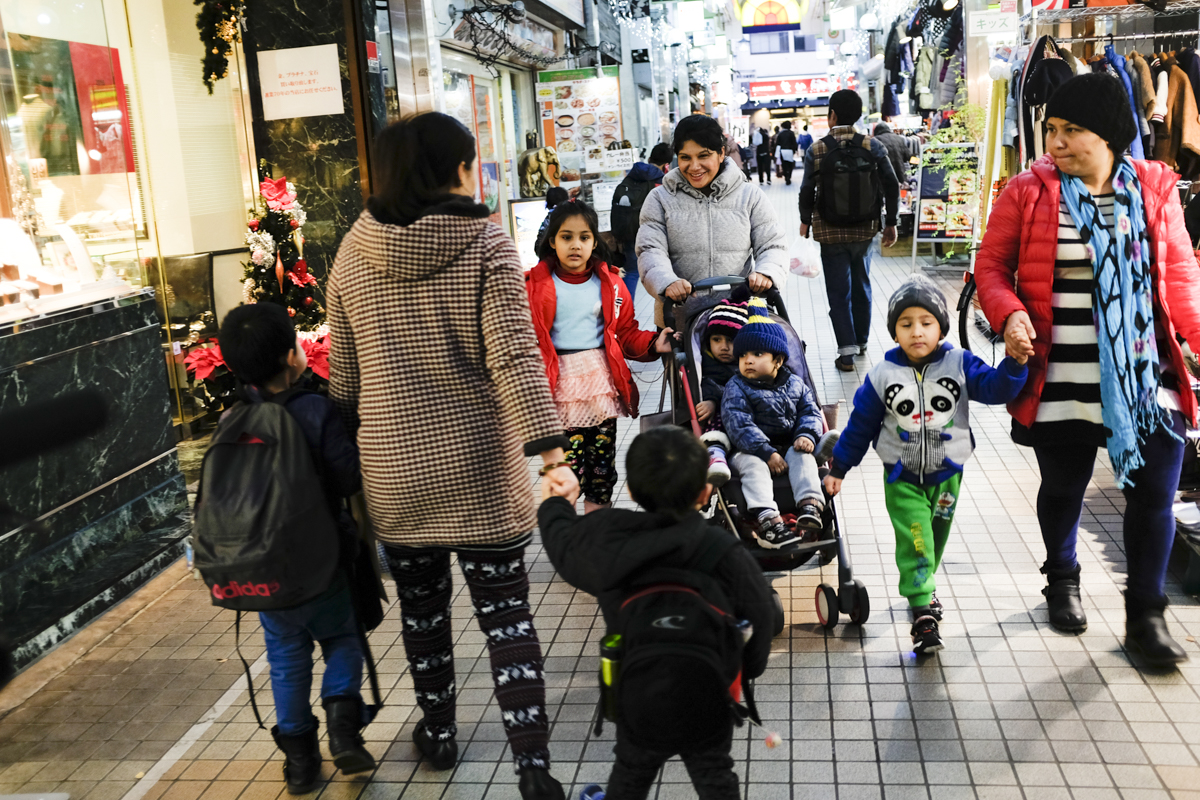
<point>121,171</point>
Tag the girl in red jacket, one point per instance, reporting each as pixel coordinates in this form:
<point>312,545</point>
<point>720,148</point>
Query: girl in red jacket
<point>584,318</point>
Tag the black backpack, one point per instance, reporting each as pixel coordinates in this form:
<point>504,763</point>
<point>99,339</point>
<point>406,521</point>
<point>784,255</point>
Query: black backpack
<point>849,190</point>
<point>625,220</point>
<point>679,679</point>
<point>264,535</point>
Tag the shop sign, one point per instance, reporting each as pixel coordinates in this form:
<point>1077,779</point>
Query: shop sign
<point>779,88</point>
<point>991,23</point>
<point>300,82</point>
<point>581,118</point>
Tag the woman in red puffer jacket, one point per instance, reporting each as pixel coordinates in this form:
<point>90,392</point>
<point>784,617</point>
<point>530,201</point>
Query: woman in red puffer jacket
<point>1087,229</point>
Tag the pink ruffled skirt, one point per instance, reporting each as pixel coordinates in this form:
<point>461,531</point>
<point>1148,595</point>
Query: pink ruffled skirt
<point>585,394</point>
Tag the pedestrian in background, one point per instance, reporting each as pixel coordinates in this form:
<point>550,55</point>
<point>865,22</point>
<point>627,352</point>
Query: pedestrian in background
<point>785,151</point>
<point>843,209</point>
<point>1088,269</point>
<point>445,422</point>
<point>760,140</point>
<point>628,199</point>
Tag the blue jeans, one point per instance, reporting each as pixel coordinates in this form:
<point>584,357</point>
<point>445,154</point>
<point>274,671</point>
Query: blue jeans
<point>328,619</point>
<point>1149,524</point>
<point>847,269</point>
<point>631,269</point>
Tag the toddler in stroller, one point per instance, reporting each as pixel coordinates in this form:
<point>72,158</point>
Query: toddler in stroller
<point>775,424</point>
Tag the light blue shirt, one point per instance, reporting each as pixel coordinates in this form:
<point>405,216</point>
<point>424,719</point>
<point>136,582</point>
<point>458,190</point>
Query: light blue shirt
<point>578,321</point>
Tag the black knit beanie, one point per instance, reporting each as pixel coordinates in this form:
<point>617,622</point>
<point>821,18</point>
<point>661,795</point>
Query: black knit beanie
<point>1099,103</point>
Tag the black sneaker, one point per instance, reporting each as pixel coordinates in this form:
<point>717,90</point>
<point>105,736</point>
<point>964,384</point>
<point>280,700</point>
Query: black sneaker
<point>935,608</point>
<point>825,445</point>
<point>845,363</point>
<point>773,534</point>
<point>809,517</point>
<point>925,636</point>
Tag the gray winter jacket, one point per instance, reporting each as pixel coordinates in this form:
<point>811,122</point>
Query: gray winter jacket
<point>687,234</point>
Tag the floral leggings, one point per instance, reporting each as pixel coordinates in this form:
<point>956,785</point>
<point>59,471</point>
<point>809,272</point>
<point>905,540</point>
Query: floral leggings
<point>593,457</point>
<point>499,590</point>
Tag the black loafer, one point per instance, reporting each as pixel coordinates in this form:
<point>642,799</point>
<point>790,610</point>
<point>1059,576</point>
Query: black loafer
<point>845,363</point>
<point>440,755</point>
<point>539,784</point>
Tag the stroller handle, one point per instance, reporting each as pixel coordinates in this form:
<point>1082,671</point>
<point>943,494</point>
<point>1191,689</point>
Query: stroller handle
<point>720,283</point>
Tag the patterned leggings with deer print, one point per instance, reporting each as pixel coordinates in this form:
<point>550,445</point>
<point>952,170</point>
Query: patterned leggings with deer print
<point>499,590</point>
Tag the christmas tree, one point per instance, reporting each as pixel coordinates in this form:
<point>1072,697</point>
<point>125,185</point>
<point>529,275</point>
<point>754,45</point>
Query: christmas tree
<point>277,272</point>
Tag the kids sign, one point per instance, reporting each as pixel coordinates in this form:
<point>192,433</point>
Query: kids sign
<point>300,82</point>
<point>781,88</point>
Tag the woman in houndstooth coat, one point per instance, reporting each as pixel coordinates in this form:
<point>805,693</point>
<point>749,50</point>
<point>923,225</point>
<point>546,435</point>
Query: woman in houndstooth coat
<point>435,365</point>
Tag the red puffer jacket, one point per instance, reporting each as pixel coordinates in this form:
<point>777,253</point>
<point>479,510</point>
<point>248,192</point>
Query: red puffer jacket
<point>1019,250</point>
<point>622,337</point>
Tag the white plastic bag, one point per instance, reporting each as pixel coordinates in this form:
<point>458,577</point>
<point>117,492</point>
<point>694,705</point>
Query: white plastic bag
<point>805,257</point>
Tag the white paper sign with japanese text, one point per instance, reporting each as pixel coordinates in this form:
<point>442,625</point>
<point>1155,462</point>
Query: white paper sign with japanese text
<point>991,23</point>
<point>618,159</point>
<point>300,82</point>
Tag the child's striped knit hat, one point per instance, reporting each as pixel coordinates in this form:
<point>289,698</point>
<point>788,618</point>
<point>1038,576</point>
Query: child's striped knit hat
<point>727,318</point>
<point>760,332</point>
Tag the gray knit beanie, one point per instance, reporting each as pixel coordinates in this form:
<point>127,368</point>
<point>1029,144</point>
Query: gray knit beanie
<point>918,291</point>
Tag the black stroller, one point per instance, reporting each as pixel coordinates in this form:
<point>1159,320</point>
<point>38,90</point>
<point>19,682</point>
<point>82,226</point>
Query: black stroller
<point>683,376</point>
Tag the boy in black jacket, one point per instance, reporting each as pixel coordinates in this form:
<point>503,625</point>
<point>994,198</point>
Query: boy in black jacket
<point>601,552</point>
<point>261,347</point>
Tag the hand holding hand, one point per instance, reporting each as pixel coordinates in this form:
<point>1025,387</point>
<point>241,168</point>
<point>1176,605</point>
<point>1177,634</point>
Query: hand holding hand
<point>1018,336</point>
<point>759,283</point>
<point>663,343</point>
<point>705,409</point>
<point>560,482</point>
<point>776,464</point>
<point>833,485</point>
<point>803,444</point>
<point>678,291</point>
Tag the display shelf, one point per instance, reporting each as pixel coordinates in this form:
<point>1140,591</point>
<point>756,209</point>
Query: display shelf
<point>1137,11</point>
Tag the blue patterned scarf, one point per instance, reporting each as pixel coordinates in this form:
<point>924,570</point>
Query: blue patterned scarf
<point>1123,305</point>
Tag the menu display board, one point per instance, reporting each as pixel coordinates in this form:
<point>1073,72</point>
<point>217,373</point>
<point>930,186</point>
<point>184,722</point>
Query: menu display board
<point>581,117</point>
<point>945,206</point>
<point>528,216</point>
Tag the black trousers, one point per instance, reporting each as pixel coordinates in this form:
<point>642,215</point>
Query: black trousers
<point>788,166</point>
<point>764,166</point>
<point>636,770</point>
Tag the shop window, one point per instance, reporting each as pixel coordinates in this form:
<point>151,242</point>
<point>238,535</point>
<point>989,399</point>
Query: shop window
<point>804,42</point>
<point>762,43</point>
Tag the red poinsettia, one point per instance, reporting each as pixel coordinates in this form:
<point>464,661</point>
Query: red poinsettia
<point>318,355</point>
<point>300,275</point>
<point>276,194</point>
<point>204,361</point>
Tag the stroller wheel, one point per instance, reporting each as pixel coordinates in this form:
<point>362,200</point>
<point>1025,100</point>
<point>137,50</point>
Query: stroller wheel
<point>827,606</point>
<point>778,607</point>
<point>860,603</point>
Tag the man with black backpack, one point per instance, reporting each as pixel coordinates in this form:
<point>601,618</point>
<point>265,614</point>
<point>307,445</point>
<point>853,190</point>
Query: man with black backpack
<point>848,183</point>
<point>272,534</point>
<point>628,199</point>
<point>679,597</point>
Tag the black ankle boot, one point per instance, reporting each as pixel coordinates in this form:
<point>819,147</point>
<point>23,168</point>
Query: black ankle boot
<point>1063,601</point>
<point>539,784</point>
<point>344,720</point>
<point>440,755</point>
<point>1146,634</point>
<point>301,759</point>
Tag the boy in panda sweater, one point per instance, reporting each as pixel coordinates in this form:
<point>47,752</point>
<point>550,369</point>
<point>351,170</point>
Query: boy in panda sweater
<point>914,406</point>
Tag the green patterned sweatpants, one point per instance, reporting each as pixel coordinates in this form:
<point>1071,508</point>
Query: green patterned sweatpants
<point>921,516</point>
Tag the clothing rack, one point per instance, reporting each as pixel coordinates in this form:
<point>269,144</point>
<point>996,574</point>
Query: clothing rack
<point>1125,36</point>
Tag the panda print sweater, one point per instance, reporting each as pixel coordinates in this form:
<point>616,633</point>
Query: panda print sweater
<point>918,415</point>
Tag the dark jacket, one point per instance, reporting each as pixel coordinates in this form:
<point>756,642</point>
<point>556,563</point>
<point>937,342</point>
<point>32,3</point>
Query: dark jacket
<point>765,417</point>
<point>900,150</point>
<point>601,552</point>
<point>714,376</point>
<point>786,140</point>
<point>629,198</point>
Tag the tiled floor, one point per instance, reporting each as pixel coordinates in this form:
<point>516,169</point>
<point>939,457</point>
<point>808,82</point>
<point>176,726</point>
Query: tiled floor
<point>1009,709</point>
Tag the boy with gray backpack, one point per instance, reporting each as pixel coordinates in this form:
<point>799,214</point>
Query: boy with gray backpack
<point>689,617</point>
<point>272,534</point>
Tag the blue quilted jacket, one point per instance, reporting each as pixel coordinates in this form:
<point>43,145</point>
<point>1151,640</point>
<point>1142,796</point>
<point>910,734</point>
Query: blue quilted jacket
<point>765,417</point>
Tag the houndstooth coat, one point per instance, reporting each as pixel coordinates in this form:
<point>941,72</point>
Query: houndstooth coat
<point>434,362</point>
